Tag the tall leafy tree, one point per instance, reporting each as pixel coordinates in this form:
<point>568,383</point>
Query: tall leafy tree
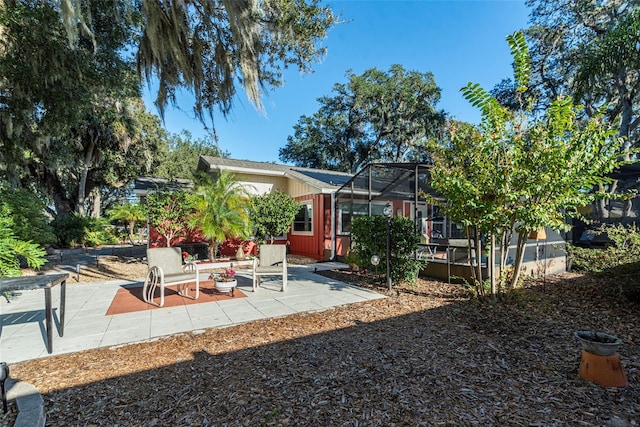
<point>519,172</point>
<point>68,76</point>
<point>220,209</point>
<point>377,116</point>
<point>70,119</point>
<point>588,49</point>
<point>180,155</point>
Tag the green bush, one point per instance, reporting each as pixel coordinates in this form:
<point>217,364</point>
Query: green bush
<point>369,237</point>
<point>272,214</point>
<point>618,262</point>
<point>78,230</point>
<point>12,248</point>
<point>27,211</point>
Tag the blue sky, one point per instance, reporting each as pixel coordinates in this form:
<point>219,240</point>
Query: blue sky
<point>459,41</point>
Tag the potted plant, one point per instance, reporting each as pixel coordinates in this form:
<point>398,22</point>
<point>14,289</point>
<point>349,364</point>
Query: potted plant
<point>225,281</point>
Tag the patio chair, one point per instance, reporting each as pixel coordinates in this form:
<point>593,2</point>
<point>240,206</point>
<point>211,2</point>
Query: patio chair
<point>166,269</point>
<point>271,261</point>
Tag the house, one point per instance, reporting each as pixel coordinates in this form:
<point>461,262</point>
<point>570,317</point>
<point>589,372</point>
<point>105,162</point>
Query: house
<point>311,232</point>
<point>330,200</point>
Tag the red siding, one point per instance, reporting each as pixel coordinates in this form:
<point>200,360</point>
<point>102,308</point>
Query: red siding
<point>311,246</point>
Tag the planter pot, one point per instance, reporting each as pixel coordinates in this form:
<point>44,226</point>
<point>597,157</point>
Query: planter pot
<point>600,361</point>
<point>224,287</point>
<point>598,343</point>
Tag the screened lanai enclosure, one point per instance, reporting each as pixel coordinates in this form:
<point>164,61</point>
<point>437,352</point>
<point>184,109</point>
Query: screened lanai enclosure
<point>442,243</point>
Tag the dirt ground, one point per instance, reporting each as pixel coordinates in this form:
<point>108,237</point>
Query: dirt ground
<point>426,355</point>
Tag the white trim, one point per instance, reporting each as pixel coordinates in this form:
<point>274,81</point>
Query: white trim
<point>250,171</point>
<point>305,204</point>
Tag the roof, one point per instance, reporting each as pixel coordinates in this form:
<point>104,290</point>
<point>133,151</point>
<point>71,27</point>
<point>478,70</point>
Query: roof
<point>391,181</point>
<point>325,181</point>
<point>146,184</point>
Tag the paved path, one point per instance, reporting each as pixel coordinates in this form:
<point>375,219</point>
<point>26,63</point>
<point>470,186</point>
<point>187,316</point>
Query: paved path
<point>23,335</point>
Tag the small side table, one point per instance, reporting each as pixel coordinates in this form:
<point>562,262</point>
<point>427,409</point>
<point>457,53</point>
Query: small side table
<point>46,282</point>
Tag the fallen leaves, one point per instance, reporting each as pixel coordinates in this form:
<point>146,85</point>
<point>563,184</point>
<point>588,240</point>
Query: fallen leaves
<point>427,355</point>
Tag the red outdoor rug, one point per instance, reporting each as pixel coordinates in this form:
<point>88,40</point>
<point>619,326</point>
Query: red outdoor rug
<point>130,299</point>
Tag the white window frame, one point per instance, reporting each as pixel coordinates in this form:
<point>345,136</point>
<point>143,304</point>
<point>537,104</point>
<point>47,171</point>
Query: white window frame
<point>306,204</point>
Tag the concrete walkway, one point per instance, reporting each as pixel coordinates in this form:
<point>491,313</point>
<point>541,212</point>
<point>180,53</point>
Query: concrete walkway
<point>22,320</point>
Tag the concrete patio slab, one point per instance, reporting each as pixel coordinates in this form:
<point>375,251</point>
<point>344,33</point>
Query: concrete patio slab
<point>23,335</point>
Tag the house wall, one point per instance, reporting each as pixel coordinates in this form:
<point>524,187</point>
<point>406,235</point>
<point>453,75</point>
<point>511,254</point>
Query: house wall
<point>258,184</point>
<point>311,245</point>
<point>296,189</point>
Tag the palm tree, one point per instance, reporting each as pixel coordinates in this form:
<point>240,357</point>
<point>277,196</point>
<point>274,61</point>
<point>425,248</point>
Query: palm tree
<point>220,209</point>
<point>129,213</point>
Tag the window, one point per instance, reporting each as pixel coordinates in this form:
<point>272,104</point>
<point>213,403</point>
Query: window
<point>345,215</point>
<point>303,222</point>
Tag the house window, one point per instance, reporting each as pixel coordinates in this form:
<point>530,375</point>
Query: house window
<point>346,214</point>
<point>303,223</point>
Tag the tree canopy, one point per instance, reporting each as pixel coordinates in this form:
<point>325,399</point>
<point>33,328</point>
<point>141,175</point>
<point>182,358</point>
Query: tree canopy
<point>377,116</point>
<point>178,157</point>
<point>71,120</point>
<point>519,171</point>
<point>72,123</point>
<point>588,49</point>
<point>213,46</point>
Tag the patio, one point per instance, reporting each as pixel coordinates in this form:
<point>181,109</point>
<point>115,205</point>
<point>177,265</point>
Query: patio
<point>88,325</point>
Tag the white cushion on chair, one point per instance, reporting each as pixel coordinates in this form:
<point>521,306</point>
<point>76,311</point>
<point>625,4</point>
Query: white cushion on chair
<point>272,260</point>
<point>166,269</point>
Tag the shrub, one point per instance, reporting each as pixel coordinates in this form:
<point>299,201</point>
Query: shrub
<point>12,248</point>
<point>272,214</point>
<point>27,211</point>
<point>369,237</point>
<point>619,261</point>
<point>79,230</point>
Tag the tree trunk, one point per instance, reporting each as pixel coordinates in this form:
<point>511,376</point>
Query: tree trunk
<point>520,248</point>
<point>49,180</point>
<point>491,264</point>
<point>84,172</point>
<point>96,203</point>
<point>132,224</point>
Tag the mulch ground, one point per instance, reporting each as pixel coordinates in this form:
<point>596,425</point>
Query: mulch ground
<point>429,354</point>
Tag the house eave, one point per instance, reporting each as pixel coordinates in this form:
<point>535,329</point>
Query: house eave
<point>248,171</point>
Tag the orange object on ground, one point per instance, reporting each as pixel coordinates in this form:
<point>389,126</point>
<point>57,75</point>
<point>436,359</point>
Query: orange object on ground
<point>603,370</point>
